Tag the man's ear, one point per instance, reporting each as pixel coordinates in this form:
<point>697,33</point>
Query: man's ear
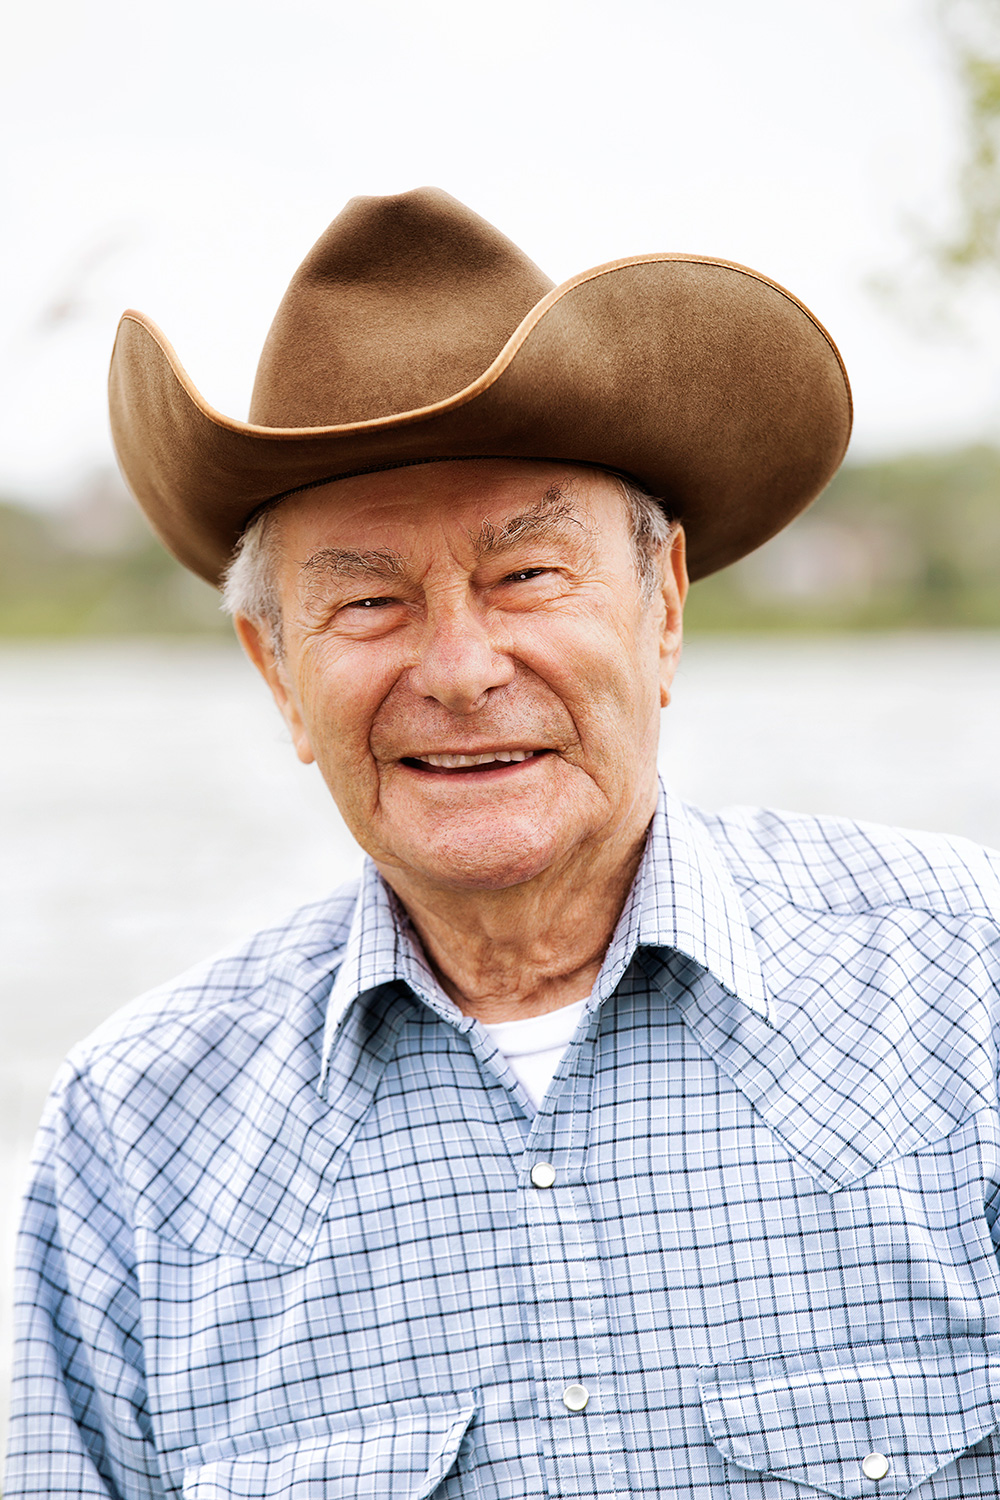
<point>257,641</point>
<point>674,587</point>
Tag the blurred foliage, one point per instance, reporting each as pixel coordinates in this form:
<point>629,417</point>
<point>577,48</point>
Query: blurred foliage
<point>905,542</point>
<point>971,30</point>
<point>94,569</point>
<point>958,252</point>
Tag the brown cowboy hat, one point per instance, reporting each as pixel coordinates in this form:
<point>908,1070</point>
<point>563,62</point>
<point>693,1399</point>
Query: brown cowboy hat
<point>414,331</point>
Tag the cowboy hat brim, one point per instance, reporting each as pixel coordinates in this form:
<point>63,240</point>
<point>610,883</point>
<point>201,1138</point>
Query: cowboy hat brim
<point>707,382</point>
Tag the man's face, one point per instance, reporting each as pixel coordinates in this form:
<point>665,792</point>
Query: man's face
<point>481,608</point>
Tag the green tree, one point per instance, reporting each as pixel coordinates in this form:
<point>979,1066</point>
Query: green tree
<point>971,34</point>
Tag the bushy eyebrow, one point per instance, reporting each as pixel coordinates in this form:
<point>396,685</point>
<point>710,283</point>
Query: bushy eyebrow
<point>550,517</point>
<point>380,566</point>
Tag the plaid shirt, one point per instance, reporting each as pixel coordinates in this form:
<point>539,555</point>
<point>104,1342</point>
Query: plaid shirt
<point>283,1237</point>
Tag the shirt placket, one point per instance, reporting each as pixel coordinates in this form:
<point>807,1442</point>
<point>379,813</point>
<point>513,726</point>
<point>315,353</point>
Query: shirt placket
<point>566,1305</point>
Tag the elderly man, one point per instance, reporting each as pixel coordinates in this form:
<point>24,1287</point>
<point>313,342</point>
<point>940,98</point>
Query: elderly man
<point>591,1146</point>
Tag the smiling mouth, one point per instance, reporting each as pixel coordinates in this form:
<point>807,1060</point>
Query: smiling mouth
<point>489,760</point>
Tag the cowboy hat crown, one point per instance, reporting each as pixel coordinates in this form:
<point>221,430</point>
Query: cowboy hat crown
<point>387,312</point>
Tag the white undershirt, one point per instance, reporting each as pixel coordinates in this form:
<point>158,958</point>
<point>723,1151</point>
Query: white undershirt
<point>534,1047</point>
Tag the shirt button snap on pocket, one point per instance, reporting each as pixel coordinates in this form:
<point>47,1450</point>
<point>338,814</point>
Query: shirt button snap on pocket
<point>543,1174</point>
<point>875,1466</point>
<point>575,1397</point>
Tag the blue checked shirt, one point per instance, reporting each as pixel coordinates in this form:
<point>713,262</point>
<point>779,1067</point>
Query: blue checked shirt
<point>283,1240</point>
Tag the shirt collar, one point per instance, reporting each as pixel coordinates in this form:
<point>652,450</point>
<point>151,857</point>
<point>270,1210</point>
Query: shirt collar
<point>683,898</point>
<point>381,948</point>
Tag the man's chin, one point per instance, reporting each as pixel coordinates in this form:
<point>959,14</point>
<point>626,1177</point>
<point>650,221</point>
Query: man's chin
<point>477,853</point>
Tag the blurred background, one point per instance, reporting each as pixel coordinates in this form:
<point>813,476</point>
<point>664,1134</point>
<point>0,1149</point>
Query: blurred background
<point>181,159</point>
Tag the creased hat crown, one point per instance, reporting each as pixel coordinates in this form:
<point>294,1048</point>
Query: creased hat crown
<point>400,303</point>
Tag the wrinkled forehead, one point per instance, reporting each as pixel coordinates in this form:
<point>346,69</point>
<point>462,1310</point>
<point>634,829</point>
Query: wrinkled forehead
<point>486,499</point>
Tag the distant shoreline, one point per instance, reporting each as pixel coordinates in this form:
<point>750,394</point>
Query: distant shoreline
<point>905,543</point>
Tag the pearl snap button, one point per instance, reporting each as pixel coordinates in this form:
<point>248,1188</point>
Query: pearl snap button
<point>575,1397</point>
<point>875,1466</point>
<point>543,1174</point>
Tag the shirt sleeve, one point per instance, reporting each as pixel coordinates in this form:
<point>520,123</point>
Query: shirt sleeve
<point>80,1422</point>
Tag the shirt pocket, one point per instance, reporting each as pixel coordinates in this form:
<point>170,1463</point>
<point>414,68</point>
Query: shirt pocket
<point>404,1449</point>
<point>814,1419</point>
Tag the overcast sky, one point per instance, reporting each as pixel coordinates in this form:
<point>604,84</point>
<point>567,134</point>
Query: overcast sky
<point>181,158</point>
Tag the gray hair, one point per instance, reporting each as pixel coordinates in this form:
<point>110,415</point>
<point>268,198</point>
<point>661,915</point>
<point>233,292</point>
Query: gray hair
<point>250,585</point>
<point>651,530</point>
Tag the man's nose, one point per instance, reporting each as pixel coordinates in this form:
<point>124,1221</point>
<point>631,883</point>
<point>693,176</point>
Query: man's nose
<point>458,660</point>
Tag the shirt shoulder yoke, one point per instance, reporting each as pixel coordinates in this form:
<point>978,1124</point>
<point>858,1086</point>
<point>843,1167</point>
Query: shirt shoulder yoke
<point>836,864</point>
<point>271,970</point>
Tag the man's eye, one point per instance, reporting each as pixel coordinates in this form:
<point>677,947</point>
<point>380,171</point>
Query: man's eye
<point>369,603</point>
<point>524,574</point>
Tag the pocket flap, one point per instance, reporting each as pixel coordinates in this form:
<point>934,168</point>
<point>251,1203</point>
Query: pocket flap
<point>403,1449</point>
<point>815,1418</point>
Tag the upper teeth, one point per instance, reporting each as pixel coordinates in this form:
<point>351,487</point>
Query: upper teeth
<point>476,760</point>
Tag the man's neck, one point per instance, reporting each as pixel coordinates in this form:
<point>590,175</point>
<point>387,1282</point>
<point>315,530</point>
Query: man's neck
<point>506,955</point>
